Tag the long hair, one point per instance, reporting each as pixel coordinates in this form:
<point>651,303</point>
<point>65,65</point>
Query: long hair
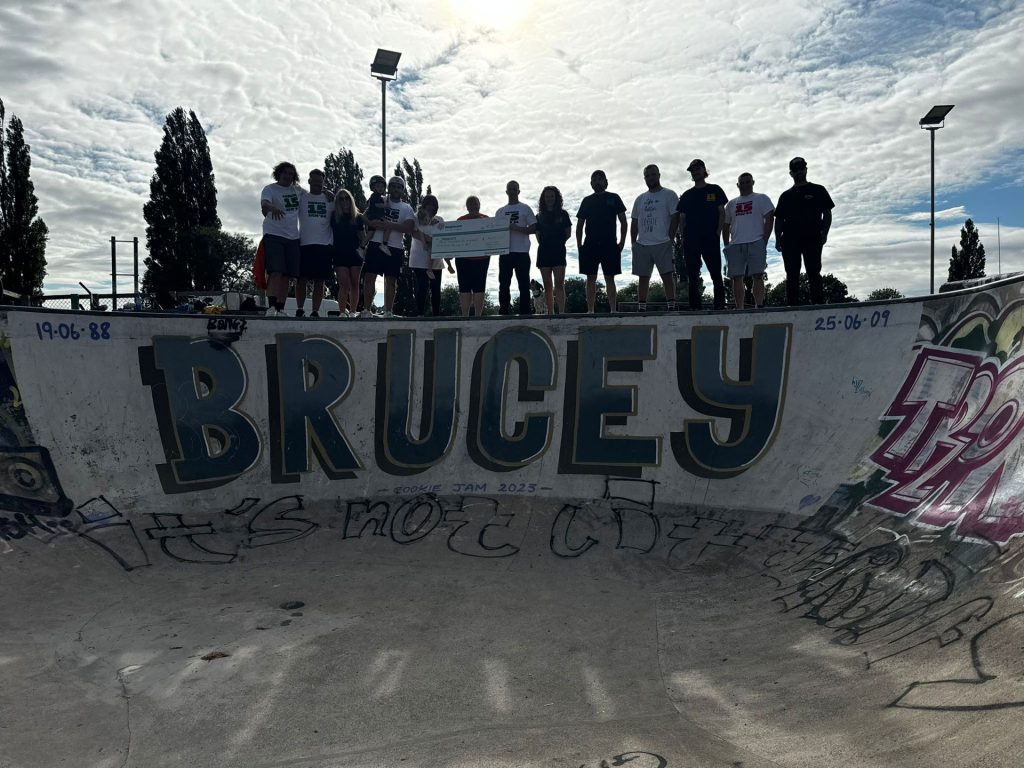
<point>353,212</point>
<point>542,207</point>
<point>276,173</point>
<point>422,215</point>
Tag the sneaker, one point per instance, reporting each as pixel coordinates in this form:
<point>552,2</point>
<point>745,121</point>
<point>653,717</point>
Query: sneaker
<point>366,313</point>
<point>314,313</point>
<point>386,314</point>
<point>300,312</point>
<point>272,312</point>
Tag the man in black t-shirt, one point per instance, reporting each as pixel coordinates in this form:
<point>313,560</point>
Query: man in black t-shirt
<point>802,221</point>
<point>701,215</point>
<point>598,213</point>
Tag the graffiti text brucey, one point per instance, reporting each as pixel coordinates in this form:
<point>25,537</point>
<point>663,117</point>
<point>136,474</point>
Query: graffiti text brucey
<point>199,384</point>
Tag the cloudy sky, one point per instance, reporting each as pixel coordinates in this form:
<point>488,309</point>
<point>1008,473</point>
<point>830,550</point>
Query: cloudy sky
<point>541,92</point>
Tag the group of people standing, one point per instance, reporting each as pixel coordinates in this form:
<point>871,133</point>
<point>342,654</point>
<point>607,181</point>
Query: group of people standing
<point>309,232</point>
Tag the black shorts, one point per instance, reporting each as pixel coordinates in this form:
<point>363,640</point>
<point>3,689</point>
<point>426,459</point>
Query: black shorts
<point>472,274</point>
<point>315,262</point>
<point>382,260</point>
<point>607,256</point>
<point>345,258</point>
<point>281,255</point>
<point>548,258</point>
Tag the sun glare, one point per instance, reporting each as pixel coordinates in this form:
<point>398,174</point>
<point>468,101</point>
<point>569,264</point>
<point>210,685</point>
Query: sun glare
<point>488,13</point>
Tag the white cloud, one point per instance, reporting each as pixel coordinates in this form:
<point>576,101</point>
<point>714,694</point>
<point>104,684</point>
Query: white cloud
<point>563,89</point>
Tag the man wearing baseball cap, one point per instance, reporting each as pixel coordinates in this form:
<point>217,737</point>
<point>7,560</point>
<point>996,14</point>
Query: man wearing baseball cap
<point>803,218</point>
<point>386,249</point>
<point>701,214</point>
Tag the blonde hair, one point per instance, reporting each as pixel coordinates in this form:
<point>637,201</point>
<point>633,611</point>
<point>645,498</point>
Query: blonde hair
<point>353,212</point>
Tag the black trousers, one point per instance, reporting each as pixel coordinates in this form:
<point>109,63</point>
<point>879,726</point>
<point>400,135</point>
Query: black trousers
<point>710,253</point>
<point>810,252</point>
<point>520,264</point>
<point>425,285</point>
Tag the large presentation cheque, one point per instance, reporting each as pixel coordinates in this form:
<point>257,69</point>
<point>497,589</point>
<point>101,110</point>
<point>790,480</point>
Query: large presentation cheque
<point>472,237</point>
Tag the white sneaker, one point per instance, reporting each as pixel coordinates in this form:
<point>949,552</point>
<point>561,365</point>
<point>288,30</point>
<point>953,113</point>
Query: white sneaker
<point>387,314</point>
<point>366,313</point>
<point>272,312</point>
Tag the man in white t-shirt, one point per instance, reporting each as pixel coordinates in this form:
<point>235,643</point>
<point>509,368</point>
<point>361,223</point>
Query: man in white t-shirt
<point>280,205</point>
<point>651,232</point>
<point>386,249</point>
<point>316,238</point>
<point>521,223</point>
<point>748,225</point>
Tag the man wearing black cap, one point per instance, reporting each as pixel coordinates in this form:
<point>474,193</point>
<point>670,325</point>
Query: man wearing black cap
<point>802,220</point>
<point>701,214</point>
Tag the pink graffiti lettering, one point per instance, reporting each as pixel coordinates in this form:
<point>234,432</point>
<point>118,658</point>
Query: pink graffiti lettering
<point>957,414</point>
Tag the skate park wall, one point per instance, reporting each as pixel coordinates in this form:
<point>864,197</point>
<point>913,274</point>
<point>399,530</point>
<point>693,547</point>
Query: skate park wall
<point>866,458</point>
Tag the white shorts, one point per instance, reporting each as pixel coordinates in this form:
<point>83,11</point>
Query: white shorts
<point>746,258</point>
<point>647,257</point>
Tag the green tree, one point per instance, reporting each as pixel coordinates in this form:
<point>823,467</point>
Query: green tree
<point>236,253</point>
<point>182,225</point>
<point>835,291</point>
<point>405,295</point>
<point>23,234</point>
<point>968,261</point>
<point>341,171</point>
<point>630,294</point>
<point>450,302</point>
<point>576,295</point>
<point>885,294</point>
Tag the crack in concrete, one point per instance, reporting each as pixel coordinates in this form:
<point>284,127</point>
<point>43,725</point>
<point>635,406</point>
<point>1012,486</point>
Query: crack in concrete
<point>127,711</point>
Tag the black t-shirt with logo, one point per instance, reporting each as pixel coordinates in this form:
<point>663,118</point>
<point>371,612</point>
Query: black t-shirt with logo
<point>700,206</point>
<point>551,226</point>
<point>600,211</point>
<point>800,210</point>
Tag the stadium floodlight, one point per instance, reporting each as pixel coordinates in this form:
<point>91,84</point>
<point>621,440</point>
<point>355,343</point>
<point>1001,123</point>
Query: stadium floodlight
<point>385,64</point>
<point>931,122</point>
<point>385,69</point>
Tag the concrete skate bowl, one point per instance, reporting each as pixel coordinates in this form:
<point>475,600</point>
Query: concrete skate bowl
<point>786,538</point>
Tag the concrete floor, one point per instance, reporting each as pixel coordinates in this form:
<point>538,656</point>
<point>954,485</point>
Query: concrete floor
<point>416,656</point>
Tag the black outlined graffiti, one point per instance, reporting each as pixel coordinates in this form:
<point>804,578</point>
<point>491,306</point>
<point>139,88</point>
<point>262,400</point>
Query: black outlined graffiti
<point>178,540</point>
<point>262,529</point>
<point>475,525</point>
<point>705,539</point>
<point>105,527</point>
<point>95,521</point>
<point>632,501</point>
<point>633,760</point>
<point>996,685</point>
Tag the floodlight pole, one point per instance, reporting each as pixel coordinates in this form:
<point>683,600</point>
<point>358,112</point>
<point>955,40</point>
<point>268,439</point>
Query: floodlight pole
<point>384,68</point>
<point>931,122</point>
<point>384,128</point>
<point>931,289</point>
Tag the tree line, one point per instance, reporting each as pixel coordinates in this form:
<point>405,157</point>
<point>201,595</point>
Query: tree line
<point>190,251</point>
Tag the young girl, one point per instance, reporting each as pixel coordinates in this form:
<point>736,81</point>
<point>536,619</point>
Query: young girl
<point>553,229</point>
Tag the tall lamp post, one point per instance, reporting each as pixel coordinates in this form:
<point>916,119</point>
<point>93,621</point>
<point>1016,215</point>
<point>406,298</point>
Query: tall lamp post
<point>932,122</point>
<point>384,68</point>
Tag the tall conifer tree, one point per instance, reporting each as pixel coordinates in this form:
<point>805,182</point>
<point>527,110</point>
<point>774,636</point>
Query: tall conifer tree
<point>23,234</point>
<point>968,261</point>
<point>182,226</point>
<point>341,171</point>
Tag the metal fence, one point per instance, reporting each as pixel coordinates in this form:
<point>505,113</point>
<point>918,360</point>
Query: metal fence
<point>97,301</point>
